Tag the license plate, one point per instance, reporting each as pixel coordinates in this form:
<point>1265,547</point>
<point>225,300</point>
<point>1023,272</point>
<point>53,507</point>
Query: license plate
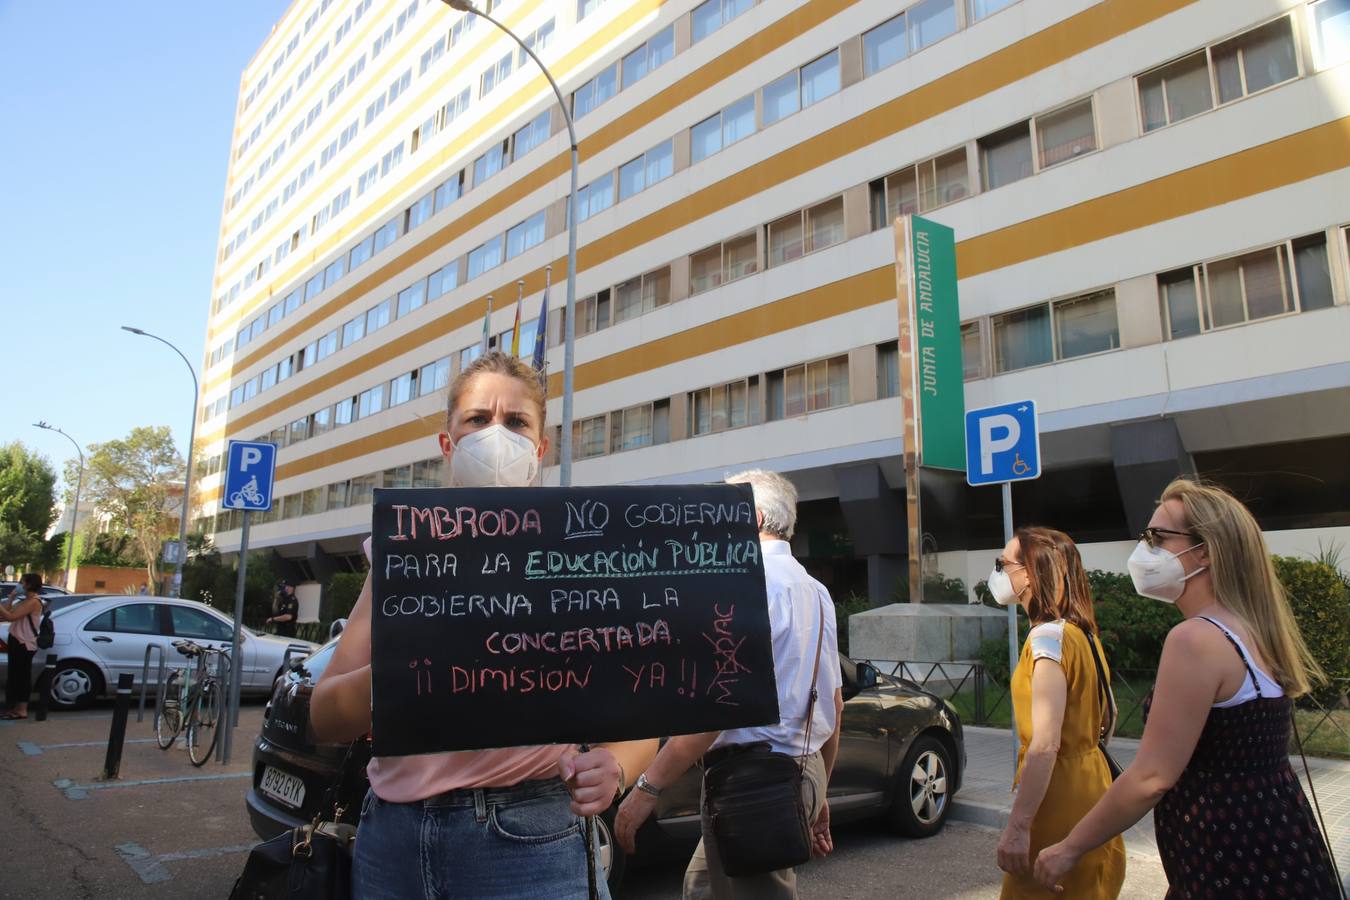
<point>286,788</point>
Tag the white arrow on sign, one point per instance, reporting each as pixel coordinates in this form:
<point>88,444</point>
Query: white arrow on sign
<point>989,445</point>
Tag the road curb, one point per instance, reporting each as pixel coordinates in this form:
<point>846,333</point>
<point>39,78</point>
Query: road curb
<point>974,813</point>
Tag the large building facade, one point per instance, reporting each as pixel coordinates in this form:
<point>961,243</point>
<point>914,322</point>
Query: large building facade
<point>1151,200</point>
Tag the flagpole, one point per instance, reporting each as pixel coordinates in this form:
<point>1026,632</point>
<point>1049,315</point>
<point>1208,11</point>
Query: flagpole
<point>487,328</point>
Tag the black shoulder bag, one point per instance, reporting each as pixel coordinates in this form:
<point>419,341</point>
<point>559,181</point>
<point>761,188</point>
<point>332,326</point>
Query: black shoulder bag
<point>754,802</point>
<point>1108,705</point>
<point>314,861</point>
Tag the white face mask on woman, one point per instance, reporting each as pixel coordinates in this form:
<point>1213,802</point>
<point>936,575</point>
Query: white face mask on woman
<point>1158,573</point>
<point>494,456</point>
<point>1000,585</point>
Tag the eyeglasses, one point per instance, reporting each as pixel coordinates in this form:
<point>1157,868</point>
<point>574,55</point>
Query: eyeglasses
<point>1000,564</point>
<point>1155,536</point>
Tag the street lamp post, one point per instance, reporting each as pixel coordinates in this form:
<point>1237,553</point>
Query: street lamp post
<point>569,322</point>
<point>75,511</point>
<point>187,469</point>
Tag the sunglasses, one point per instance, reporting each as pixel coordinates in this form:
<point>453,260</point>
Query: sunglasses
<point>1155,536</point>
<point>1000,564</point>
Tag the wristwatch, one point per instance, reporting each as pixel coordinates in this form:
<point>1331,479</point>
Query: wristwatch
<point>647,787</point>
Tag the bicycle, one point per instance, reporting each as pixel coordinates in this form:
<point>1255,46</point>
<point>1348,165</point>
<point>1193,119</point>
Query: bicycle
<point>193,696</point>
<point>248,495</point>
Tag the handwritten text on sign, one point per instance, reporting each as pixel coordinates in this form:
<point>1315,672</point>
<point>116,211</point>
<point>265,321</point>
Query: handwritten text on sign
<point>519,616</point>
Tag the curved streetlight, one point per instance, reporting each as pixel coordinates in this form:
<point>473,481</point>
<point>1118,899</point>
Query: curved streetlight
<point>187,469</point>
<point>75,512</point>
<point>569,323</point>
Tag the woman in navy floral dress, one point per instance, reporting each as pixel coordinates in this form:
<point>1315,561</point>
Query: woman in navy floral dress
<point>1230,815</point>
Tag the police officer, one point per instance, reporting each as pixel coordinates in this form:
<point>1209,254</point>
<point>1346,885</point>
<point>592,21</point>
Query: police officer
<point>285,610</point>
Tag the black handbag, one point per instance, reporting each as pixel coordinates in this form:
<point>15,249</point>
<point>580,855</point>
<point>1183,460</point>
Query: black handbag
<point>311,862</point>
<point>753,800</point>
<point>1109,706</point>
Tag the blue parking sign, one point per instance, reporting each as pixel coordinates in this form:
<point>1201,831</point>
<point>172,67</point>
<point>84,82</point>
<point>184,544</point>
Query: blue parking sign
<point>250,467</point>
<point>1003,443</point>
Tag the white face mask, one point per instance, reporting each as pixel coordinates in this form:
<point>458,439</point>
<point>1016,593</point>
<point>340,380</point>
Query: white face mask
<point>1000,585</point>
<point>1158,573</point>
<point>493,457</point>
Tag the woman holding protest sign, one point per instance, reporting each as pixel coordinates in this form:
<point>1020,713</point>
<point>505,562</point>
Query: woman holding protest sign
<point>500,823</point>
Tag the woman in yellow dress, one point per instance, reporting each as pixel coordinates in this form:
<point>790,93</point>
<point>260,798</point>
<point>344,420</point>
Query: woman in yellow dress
<point>1061,772</point>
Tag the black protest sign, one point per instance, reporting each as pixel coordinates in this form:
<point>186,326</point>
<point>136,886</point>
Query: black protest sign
<point>507,617</point>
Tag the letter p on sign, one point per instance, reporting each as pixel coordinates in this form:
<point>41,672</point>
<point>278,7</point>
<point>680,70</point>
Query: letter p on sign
<point>1011,433</point>
<point>248,457</point>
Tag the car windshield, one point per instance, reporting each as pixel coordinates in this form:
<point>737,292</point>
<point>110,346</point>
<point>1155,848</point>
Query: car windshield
<point>315,664</point>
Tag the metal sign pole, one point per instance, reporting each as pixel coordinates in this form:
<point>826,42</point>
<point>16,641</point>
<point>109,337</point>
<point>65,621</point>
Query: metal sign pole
<point>1013,647</point>
<point>236,668</point>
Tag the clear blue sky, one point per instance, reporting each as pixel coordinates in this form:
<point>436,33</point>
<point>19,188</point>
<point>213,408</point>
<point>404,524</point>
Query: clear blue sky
<point>117,125</point>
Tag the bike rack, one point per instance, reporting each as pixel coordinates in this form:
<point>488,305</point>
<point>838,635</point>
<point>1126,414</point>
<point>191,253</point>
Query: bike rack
<point>161,674</point>
<point>223,676</point>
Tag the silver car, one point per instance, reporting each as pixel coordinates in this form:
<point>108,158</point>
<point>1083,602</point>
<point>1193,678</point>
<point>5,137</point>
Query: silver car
<point>101,638</point>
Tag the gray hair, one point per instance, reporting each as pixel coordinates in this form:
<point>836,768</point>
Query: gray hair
<point>775,500</point>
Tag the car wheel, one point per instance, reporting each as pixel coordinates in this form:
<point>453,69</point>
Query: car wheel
<point>922,796</point>
<point>75,685</point>
<point>611,860</point>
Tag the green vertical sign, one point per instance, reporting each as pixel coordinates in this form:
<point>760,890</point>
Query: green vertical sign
<point>939,380</point>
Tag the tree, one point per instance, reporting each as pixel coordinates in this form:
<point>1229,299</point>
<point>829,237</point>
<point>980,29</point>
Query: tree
<point>132,482</point>
<point>27,500</point>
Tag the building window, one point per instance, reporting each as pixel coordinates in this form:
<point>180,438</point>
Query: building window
<point>361,491</point>
<point>781,98</point>
<point>337,495</point>
<point>434,376</point>
<point>639,296</point>
<point>1085,324</point>
<point>489,164</point>
<point>595,197</point>
<point>593,313</point>
<point>1331,32</point>
<point>921,187</point>
<point>537,41</point>
<point>930,21</point>
<point>397,477</point>
<point>824,225</point>
<point>530,136</point>
<point>978,9</point>
<point>353,331</point>
<point>420,211</point>
<point>527,234</point>
<point>1252,286</point>
<point>1176,91</point>
<point>1251,62</point>
<point>972,351</point>
<point>1022,339</point>
<point>485,257</point>
<point>884,45</point>
<point>387,234</point>
<point>820,79</point>
<point>632,428</point>
<point>369,402</point>
<point>1005,156</point>
<point>312,501</point>
<point>724,262</point>
<point>427,473</point>
<point>377,316</point>
<point>1312,272</point>
<point>496,74</point>
<point>656,52</point>
<point>813,386</point>
<point>588,437</point>
<point>711,15</point>
<point>449,191</point>
<point>1178,294</point>
<point>888,370</point>
<point>785,239</point>
<point>594,92</point>
<point>730,405</point>
<point>361,252</point>
<point>1066,133</point>
<point>584,8</point>
<point>411,298</point>
<point>401,389</point>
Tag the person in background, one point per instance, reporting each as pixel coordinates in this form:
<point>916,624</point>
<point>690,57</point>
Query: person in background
<point>1058,705</point>
<point>1229,813</point>
<point>144,589</point>
<point>285,610</point>
<point>490,823</point>
<point>801,616</point>
<point>23,613</point>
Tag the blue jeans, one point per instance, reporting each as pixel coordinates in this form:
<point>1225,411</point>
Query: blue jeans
<point>519,842</point>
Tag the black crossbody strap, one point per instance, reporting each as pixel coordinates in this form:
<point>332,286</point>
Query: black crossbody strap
<point>815,673</point>
<point>1103,689</point>
<point>1317,807</point>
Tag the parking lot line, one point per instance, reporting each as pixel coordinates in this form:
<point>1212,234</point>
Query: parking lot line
<point>31,749</point>
<point>151,869</point>
<point>75,791</point>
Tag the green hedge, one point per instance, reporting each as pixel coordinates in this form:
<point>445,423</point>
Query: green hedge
<point>1133,628</point>
<point>343,589</point>
<point>855,603</point>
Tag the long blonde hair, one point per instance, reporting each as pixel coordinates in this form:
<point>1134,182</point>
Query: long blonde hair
<point>1245,581</point>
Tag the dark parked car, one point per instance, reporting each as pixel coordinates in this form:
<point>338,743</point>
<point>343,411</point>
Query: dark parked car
<point>901,758</point>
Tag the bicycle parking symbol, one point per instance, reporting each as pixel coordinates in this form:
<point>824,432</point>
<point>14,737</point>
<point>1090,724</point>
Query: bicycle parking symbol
<point>248,495</point>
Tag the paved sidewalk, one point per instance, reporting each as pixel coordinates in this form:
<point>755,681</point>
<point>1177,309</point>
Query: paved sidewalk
<point>985,798</point>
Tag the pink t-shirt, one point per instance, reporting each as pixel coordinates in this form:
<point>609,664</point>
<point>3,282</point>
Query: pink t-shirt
<point>405,779</point>
<point>24,630</point>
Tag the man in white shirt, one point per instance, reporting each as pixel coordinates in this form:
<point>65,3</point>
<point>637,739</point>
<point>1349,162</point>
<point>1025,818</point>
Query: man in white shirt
<point>800,609</point>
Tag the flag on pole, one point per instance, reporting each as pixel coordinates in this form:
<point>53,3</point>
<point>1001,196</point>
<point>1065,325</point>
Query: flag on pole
<point>515,329</point>
<point>541,327</point>
<point>487,327</point>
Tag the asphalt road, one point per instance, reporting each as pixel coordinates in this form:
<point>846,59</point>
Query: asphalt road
<point>165,829</point>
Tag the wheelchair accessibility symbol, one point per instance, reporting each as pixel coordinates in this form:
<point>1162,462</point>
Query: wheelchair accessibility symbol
<point>1019,466</point>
